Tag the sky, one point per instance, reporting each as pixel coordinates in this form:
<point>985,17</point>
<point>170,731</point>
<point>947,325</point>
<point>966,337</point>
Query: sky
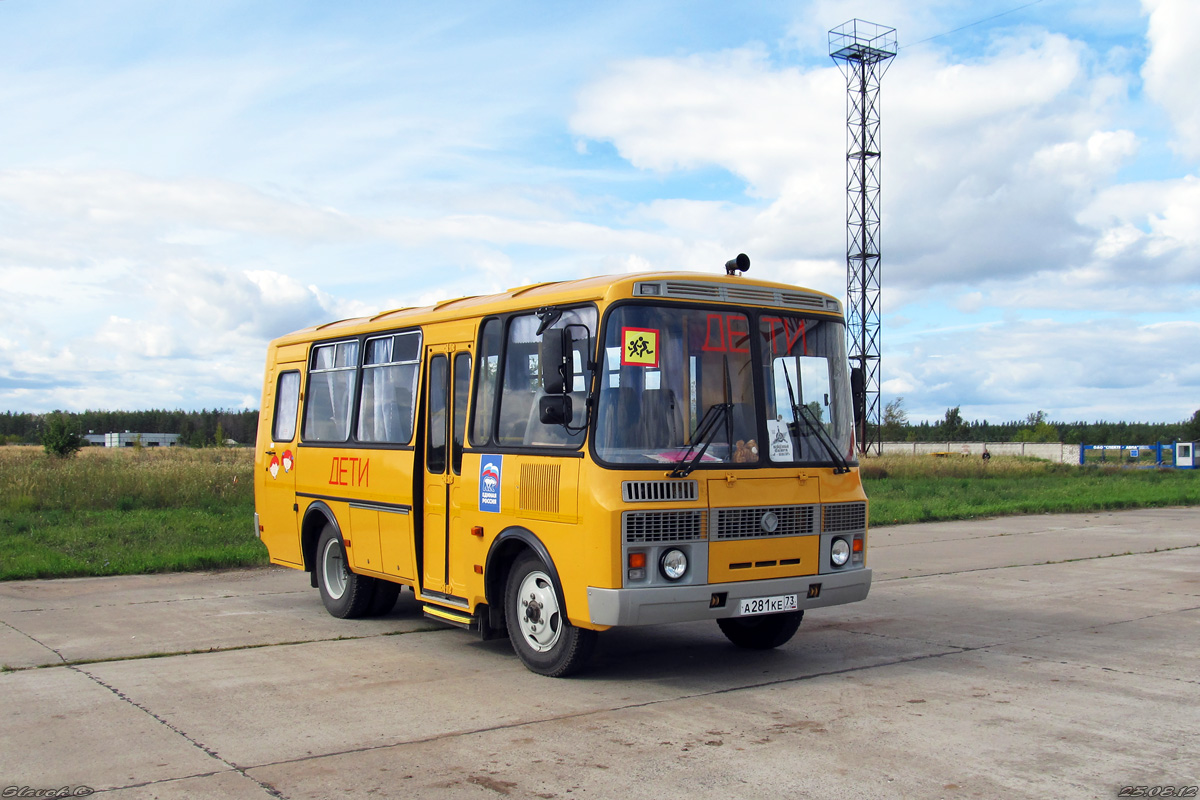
<point>182,182</point>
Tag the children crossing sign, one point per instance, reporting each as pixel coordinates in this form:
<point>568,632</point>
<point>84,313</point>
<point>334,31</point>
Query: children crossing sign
<point>640,347</point>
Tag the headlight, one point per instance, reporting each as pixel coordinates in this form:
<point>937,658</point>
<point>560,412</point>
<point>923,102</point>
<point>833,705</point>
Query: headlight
<point>839,552</point>
<point>673,564</point>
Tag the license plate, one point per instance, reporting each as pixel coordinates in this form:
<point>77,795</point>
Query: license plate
<point>767,605</point>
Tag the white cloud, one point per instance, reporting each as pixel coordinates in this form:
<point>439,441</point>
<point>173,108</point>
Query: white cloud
<point>970,302</point>
<point>732,109</point>
<point>1071,370</point>
<point>138,339</point>
<point>165,211</point>
<point>1081,163</point>
<point>185,211</point>
<point>1172,65</point>
<point>1148,228</point>
<point>986,164</point>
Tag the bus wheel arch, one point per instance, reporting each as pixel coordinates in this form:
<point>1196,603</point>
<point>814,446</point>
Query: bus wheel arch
<point>316,517</point>
<point>506,549</point>
<point>538,628</point>
<point>518,561</point>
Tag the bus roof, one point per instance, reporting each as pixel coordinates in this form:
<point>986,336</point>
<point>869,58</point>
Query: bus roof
<point>676,286</point>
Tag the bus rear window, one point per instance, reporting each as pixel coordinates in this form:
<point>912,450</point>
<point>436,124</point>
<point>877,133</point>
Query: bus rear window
<point>287,402</point>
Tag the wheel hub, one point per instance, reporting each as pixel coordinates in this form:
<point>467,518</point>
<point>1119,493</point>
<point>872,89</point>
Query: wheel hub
<point>533,610</point>
<point>540,617</point>
<point>337,575</point>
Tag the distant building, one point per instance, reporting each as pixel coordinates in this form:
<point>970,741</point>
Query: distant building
<point>94,439</point>
<point>146,439</point>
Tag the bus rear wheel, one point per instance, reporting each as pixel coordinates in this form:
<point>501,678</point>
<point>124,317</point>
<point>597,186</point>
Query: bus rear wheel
<point>345,594</point>
<point>537,625</point>
<point>761,633</point>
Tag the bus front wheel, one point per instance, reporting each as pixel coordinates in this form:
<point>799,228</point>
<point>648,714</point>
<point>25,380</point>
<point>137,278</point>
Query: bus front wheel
<point>384,599</point>
<point>537,626</point>
<point>345,594</point>
<point>761,633</point>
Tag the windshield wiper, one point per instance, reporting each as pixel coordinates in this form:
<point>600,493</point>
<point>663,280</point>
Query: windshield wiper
<point>705,431</point>
<point>804,412</point>
<point>814,424</point>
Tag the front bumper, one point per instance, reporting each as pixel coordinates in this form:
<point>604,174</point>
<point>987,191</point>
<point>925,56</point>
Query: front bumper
<point>659,604</point>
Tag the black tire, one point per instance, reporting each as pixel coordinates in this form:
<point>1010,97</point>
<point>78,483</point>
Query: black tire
<point>761,633</point>
<point>345,594</point>
<point>384,598</point>
<point>537,625</point>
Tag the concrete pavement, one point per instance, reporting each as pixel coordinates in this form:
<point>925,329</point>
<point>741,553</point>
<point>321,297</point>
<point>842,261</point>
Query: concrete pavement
<point>1047,655</point>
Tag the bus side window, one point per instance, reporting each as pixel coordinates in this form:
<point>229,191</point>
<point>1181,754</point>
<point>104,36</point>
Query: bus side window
<point>331,381</point>
<point>519,381</point>
<point>287,403</point>
<point>439,387</point>
<point>520,387</point>
<point>487,382</point>
<point>462,384</point>
<point>389,384</point>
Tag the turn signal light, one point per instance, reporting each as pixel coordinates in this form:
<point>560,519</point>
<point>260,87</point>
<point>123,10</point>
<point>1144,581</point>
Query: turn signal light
<point>858,544</point>
<point>637,560</point>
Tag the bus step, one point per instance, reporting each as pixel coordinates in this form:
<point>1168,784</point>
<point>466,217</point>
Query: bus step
<point>459,618</point>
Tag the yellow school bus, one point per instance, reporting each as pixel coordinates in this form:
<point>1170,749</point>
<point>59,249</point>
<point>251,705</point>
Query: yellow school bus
<point>563,458</point>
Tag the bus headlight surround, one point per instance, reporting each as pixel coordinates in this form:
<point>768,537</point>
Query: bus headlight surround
<point>673,564</point>
<point>839,552</point>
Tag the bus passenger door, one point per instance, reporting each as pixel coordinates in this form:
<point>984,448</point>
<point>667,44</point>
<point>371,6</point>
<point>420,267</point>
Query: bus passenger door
<point>447,390</point>
<point>275,500</point>
<point>436,475</point>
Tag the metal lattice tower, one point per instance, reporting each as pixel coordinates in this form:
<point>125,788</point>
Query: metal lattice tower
<point>863,52</point>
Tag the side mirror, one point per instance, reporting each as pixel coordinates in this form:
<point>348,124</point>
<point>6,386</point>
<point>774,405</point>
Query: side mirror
<point>555,409</point>
<point>554,361</point>
<point>858,395</point>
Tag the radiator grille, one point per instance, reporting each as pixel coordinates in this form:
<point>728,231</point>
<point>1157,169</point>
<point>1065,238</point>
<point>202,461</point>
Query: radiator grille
<point>659,491</point>
<point>748,523</point>
<point>845,517</point>
<point>539,488</point>
<point>663,526</point>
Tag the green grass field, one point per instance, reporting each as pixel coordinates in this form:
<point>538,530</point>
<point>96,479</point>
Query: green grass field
<point>923,489</point>
<point>118,512</point>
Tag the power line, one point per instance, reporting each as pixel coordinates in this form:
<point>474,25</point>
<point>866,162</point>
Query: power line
<point>973,24</point>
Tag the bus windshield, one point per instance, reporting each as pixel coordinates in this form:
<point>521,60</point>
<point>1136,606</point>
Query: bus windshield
<point>664,369</point>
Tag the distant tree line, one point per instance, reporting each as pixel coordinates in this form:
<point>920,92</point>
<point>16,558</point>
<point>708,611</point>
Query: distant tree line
<point>195,428</point>
<point>204,428</point>
<point>1034,428</point>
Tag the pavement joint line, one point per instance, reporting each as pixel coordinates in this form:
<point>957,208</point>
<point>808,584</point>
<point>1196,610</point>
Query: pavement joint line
<point>1035,637</point>
<point>210,752</point>
<point>626,707</point>
<point>1083,666</point>
<point>1111,624</point>
<point>155,602</point>
<point>35,641</point>
<point>1038,532</point>
<point>163,781</point>
<point>80,662</point>
<point>953,651</point>
<point>1039,563</point>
